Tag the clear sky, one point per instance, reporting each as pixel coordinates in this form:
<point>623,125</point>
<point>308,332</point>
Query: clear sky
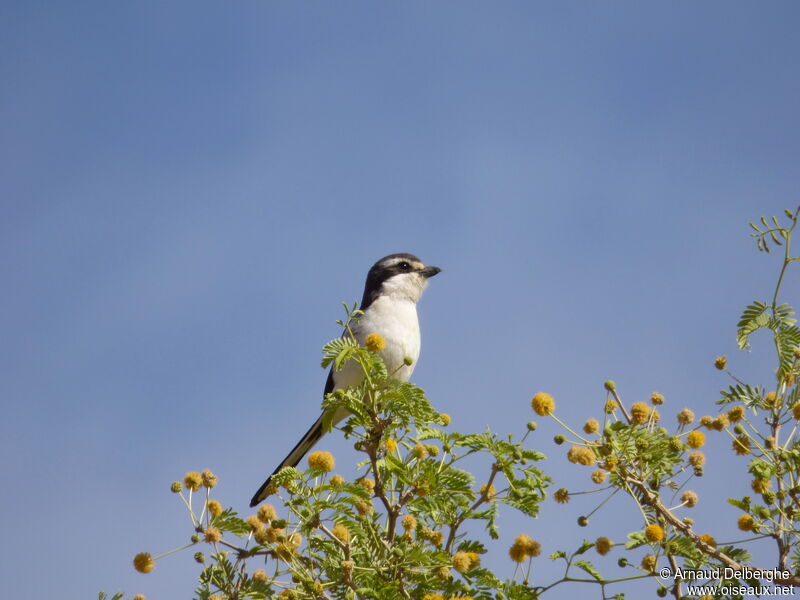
<point>189,190</point>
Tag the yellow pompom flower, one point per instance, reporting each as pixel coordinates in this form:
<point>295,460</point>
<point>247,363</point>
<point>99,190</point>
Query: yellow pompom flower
<point>214,508</point>
<point>517,553</point>
<point>745,522</point>
<point>461,562</point>
<point>581,455</point>
<point>720,422</point>
<point>267,513</point>
<point>489,492</point>
<point>685,417</point>
<point>253,523</point>
<point>285,551</point>
<point>368,484</point>
<point>543,404</point>
<point>598,476</point>
<point>532,547</point>
<point>341,533</point>
<point>720,362</point>
<point>649,563</point>
<point>260,575</point>
<point>176,487</point>
<point>391,446</point>
<point>611,406</point>
<point>143,562</point>
<point>364,508</point>
<point>409,522</point>
<point>209,479</point>
<point>654,533</point>
<point>736,414</point>
<point>561,495</point>
<point>212,535</point>
<point>419,451</point>
<point>706,421</point>
<point>524,546</point>
<point>640,412</point>
<point>741,445</point>
<point>591,426</point>
<point>697,459</point>
<point>375,342</point>
<point>696,439</point>
<point>656,398</point>
<point>193,480</point>
<point>444,418</point>
<point>337,480</point>
<point>689,498</point>
<point>603,545</point>
<point>140,597</point>
<point>268,535</point>
<point>760,485</point>
<point>321,460</point>
<point>795,410</point>
<point>708,540</point>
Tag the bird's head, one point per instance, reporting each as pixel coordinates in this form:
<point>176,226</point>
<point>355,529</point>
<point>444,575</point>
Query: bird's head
<point>397,275</point>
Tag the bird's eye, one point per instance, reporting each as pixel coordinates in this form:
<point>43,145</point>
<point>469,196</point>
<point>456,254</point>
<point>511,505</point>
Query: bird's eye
<point>404,266</point>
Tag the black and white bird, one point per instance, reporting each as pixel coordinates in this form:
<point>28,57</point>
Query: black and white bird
<point>394,286</point>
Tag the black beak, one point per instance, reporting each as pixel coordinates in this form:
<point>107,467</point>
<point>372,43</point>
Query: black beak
<point>429,272</point>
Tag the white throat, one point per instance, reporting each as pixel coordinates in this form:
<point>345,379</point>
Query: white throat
<point>408,286</point>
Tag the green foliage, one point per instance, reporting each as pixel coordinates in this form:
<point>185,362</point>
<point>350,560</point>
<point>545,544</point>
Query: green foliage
<point>406,525</point>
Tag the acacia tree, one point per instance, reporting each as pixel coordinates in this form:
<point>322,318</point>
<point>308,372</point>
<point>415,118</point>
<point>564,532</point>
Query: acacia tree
<point>405,525</point>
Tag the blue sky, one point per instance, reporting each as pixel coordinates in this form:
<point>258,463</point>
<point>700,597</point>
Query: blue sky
<point>190,190</point>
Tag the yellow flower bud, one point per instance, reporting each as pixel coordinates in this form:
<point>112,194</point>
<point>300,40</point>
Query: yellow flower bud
<point>640,412</point>
<point>193,480</point>
<point>603,545</point>
<point>543,404</point>
<point>654,533</point>
<point>375,342</point>
<point>696,439</point>
<point>143,562</point>
<point>591,426</point>
<point>745,522</point>
<point>321,460</point>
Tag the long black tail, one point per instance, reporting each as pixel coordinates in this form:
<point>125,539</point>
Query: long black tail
<point>305,444</point>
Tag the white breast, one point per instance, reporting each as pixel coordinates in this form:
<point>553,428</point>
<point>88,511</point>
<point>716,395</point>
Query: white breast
<point>396,320</point>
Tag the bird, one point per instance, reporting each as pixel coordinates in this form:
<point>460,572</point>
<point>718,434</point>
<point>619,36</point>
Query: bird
<point>393,287</point>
